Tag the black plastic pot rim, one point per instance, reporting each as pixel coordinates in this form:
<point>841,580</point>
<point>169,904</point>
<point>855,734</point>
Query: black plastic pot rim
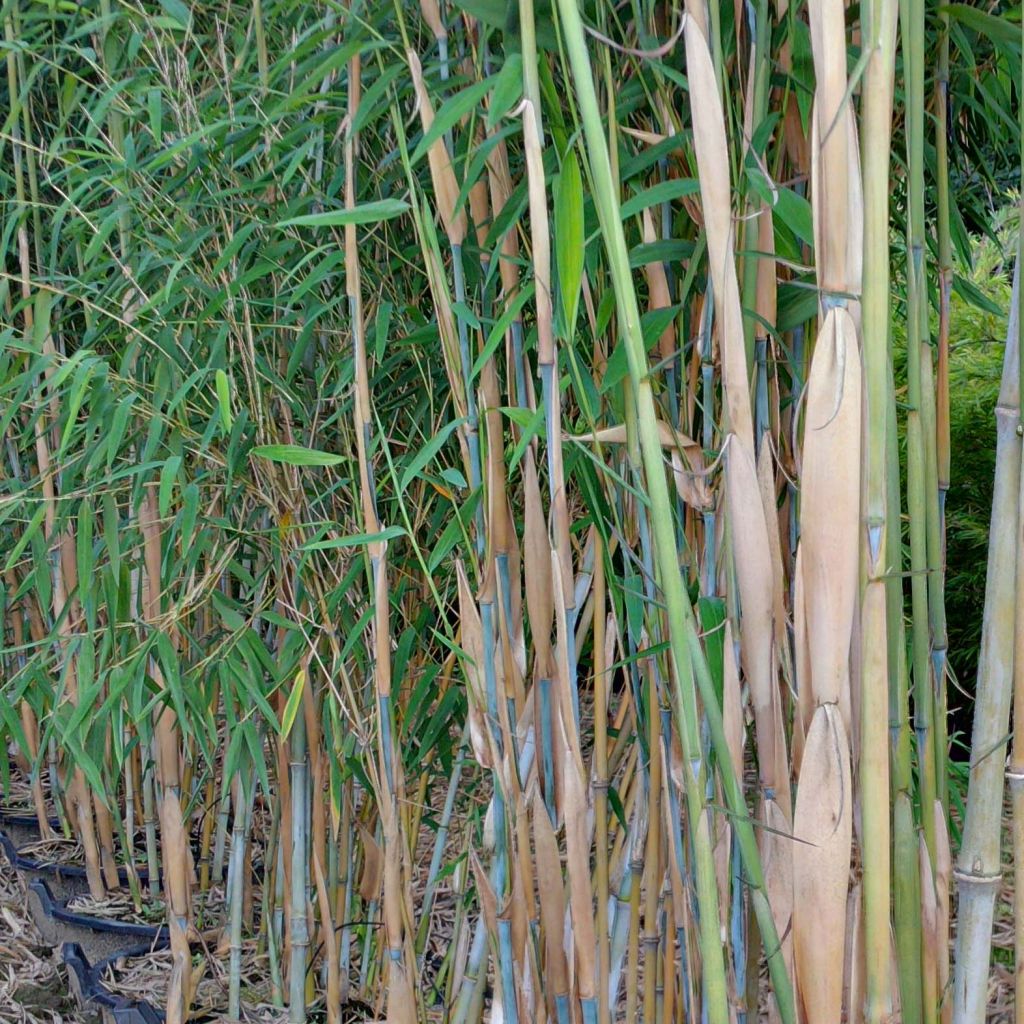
<point>93,989</point>
<point>58,870</point>
<point>89,977</point>
<point>59,912</point>
<point>23,818</point>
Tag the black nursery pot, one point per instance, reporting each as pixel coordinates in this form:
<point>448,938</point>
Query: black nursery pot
<point>20,827</point>
<point>88,988</point>
<point>97,937</point>
<point>64,880</point>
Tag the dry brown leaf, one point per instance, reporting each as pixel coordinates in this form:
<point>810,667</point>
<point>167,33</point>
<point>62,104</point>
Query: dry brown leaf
<point>853,984</point>
<point>732,704</point>
<point>754,571</point>
<point>577,839</point>
<point>688,465</point>
<point>776,847</point>
<point>830,506</point>
<point>821,865</point>
<point>372,876</point>
<point>540,601</point>
<point>551,890</point>
<point>943,890</point>
<point>446,188</point>
<point>716,198</point>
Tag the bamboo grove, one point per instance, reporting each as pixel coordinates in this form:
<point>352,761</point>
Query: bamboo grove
<point>458,498</point>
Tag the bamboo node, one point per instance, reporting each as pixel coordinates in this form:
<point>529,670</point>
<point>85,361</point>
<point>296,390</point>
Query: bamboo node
<point>977,877</point>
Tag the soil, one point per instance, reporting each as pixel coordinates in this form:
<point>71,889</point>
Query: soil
<point>33,981</point>
<point>34,987</point>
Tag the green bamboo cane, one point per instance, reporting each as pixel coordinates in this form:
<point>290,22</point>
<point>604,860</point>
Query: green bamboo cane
<point>879,27</point>
<point>346,880</point>
<point>977,869</point>
<point>942,438</point>
<point>636,872</point>
<point>652,859</point>
<point>761,44</point>
<point>906,879</point>
<point>531,75</point>
<point>1015,774</point>
<point>912,24</point>
<point>115,120</point>
<point>684,642</point>
<point>299,939</point>
<point>236,881</point>
<point>220,837</point>
<point>601,783</point>
<point>269,931</point>
<point>29,152</point>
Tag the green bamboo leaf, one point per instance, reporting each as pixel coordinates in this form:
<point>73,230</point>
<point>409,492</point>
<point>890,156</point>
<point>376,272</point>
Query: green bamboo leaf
<point>89,689</point>
<point>429,450</point>
<point>178,12</point>
<point>569,240</point>
<point>999,30</point>
<point>711,612</point>
<point>382,325</point>
<point>83,547</point>
<point>508,87</point>
<point>30,531</point>
<point>189,512</point>
<point>232,756</point>
<point>616,804</point>
<point>454,532</point>
<point>41,570</point>
<point>102,235</point>
<point>224,399</point>
<point>466,315</point>
<point>81,383</point>
<point>12,725</point>
<point>971,293</point>
<point>168,474</point>
<point>238,239</point>
<point>230,616</point>
<point>117,430</point>
<point>511,313</point>
<point>356,539</point>
<point>501,15</point>
<point>294,455</point>
<point>111,531</point>
<point>154,104</point>
<point>291,708</point>
<point>663,192</point>
<point>257,754</point>
<point>793,210</point>
<point>367,213</point>
<point>63,370</point>
<point>375,94</point>
<point>450,113</point>
<point>173,681</point>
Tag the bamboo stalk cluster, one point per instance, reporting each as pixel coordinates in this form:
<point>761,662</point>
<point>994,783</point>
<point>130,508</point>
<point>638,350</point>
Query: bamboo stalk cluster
<point>453,501</point>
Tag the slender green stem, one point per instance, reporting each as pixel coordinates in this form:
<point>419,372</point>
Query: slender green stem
<point>684,642</point>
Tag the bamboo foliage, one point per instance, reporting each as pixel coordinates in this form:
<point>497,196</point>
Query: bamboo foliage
<point>452,502</point>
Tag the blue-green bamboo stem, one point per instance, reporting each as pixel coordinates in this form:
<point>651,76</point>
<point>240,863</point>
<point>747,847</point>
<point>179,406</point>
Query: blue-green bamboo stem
<point>298,925</point>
